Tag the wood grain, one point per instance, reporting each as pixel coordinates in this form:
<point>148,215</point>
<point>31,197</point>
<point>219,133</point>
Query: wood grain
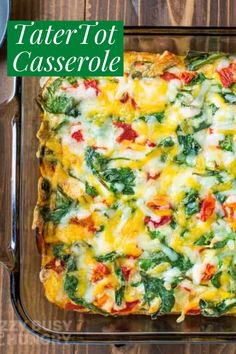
<point>165,12</point>
<point>13,337</point>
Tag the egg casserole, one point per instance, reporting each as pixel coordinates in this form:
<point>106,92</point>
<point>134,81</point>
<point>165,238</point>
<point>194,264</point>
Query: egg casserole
<point>136,208</point>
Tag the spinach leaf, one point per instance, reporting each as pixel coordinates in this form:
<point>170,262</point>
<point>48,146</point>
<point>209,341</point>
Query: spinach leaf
<point>205,239</point>
<point>215,280</point>
<point>182,262</point>
<point>119,295</point>
<point>71,264</point>
<point>72,79</point>
<point>58,251</point>
<point>154,287</point>
<point>167,142</point>
<point>220,197</point>
<point>62,206</point>
<point>155,234</point>
<point>109,257</point>
<point>212,309</point>
<point>121,180</point>
<point>227,143</point>
<point>152,260</point>
<point>189,145</point>
<point>159,117</point>
<point>56,103</point>
<point>95,161</point>
<point>220,244</point>
<point>197,79</point>
<point>214,108</point>
<point>229,97</point>
<point>202,125</point>
<point>70,284</point>
<point>90,190</point>
<point>197,59</point>
<point>191,202</point>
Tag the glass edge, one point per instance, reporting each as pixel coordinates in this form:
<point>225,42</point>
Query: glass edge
<point>99,339</point>
<point>179,30</point>
<point>116,338</point>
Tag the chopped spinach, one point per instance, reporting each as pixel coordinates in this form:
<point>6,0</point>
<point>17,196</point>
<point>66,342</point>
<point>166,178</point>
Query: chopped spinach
<point>58,251</point>
<point>71,264</point>
<point>202,125</point>
<point>220,197</point>
<point>227,143</point>
<point>229,97</point>
<point>152,260</point>
<point>119,295</point>
<point>70,284</point>
<point>95,161</point>
<point>197,59</point>
<point>215,280</point>
<point>213,309</point>
<point>191,202</point>
<point>109,257</point>
<point>121,180</point>
<point>55,103</point>
<point>90,190</point>
<point>197,79</point>
<point>62,206</point>
<point>155,234</point>
<point>220,244</point>
<point>154,287</point>
<point>189,145</point>
<point>159,117</point>
<point>214,108</point>
<point>205,239</point>
<point>167,142</point>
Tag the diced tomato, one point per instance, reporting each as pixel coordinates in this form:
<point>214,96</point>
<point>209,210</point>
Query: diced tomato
<point>228,75</point>
<point>230,213</point>
<point>211,130</point>
<point>130,307</point>
<point>128,132</point>
<point>57,265</point>
<point>133,103</point>
<point>92,83</point>
<point>169,76</point>
<point>187,76</point>
<point>125,97</point>
<point>78,136</point>
<point>75,85</point>
<point>150,143</point>
<point>209,272</point>
<point>163,220</point>
<point>154,177</point>
<point>126,272</point>
<point>194,311</point>
<point>162,208</point>
<point>99,272</point>
<point>70,306</point>
<point>207,207</point>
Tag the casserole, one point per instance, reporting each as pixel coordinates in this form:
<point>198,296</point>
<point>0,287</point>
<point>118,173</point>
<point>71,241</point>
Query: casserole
<point>40,316</point>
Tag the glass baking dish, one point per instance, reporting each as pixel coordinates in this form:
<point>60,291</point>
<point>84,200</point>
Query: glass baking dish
<point>18,252</point>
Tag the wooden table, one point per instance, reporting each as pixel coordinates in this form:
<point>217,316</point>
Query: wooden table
<point>13,337</point>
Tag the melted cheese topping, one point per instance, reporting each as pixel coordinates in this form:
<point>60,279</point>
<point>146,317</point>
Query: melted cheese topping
<point>137,200</point>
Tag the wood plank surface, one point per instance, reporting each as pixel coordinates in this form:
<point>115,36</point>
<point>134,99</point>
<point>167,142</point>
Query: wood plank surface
<point>14,339</point>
